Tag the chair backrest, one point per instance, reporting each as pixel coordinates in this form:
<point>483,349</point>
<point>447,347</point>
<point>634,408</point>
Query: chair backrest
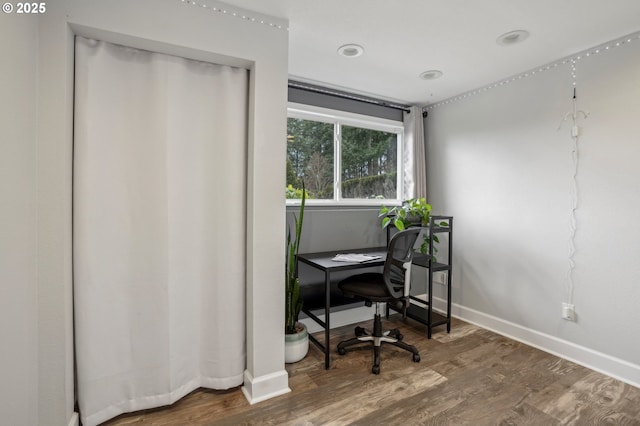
<point>399,253</point>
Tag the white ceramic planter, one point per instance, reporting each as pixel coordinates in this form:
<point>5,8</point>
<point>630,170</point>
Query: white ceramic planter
<point>296,345</point>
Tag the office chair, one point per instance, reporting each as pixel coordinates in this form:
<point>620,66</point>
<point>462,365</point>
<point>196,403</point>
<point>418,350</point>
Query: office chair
<point>388,286</point>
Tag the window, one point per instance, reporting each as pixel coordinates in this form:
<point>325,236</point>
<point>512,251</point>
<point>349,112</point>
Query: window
<point>343,158</point>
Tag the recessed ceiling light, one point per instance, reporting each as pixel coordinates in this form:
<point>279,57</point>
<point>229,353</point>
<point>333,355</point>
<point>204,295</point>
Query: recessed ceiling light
<point>431,75</point>
<point>512,37</point>
<point>350,50</point>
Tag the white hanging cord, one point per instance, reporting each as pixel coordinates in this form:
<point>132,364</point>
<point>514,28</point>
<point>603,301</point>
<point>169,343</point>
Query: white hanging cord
<point>575,134</point>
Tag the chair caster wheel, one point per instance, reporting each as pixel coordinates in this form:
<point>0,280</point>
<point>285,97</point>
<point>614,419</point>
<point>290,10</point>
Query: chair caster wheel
<point>416,358</point>
<point>342,351</point>
<point>360,332</point>
<point>375,369</point>
<point>399,337</point>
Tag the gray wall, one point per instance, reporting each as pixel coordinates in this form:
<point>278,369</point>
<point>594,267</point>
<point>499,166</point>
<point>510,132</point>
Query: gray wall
<point>309,94</point>
<point>498,164</point>
<point>336,228</point>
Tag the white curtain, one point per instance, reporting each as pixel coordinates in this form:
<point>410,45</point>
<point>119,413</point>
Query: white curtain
<point>158,227</point>
<point>415,177</point>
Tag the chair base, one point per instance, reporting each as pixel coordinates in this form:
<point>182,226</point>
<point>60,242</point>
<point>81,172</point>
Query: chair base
<point>376,339</point>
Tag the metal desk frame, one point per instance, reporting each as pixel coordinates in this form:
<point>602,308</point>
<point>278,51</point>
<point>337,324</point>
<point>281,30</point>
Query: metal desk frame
<point>322,261</point>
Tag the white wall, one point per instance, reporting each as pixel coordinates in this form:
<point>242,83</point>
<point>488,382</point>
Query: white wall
<point>498,164</point>
<point>36,155</point>
<point>18,220</point>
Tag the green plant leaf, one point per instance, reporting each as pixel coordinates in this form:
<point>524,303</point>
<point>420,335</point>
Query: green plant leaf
<point>293,300</point>
<point>386,221</point>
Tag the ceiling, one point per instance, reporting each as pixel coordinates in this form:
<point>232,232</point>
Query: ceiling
<point>404,38</point>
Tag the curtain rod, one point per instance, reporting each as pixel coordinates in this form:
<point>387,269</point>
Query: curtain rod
<point>345,95</point>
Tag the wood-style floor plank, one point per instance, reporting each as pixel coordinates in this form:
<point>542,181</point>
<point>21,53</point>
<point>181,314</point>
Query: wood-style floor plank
<point>468,377</point>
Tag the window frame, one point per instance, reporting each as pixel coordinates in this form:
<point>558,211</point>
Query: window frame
<point>338,119</point>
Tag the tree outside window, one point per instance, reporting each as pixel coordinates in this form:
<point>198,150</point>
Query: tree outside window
<point>310,157</point>
<point>365,156</point>
<point>369,163</point>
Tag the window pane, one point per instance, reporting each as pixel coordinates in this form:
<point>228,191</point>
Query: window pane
<point>310,157</point>
<point>369,163</point>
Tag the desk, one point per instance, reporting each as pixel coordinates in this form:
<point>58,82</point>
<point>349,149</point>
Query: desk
<point>323,262</point>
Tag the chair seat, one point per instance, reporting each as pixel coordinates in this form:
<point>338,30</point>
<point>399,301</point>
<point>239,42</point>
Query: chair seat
<point>370,286</point>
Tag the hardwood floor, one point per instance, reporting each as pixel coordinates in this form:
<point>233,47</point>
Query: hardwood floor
<point>469,377</point>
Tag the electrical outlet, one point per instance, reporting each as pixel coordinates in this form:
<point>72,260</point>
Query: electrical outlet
<point>440,277</point>
<point>568,312</point>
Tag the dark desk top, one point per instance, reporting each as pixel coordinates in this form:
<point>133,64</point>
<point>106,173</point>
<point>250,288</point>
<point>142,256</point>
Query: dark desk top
<point>323,260</point>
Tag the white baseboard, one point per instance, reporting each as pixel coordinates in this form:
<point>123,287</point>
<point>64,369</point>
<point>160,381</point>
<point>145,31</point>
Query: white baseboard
<point>606,364</point>
<point>258,389</point>
<point>74,420</point>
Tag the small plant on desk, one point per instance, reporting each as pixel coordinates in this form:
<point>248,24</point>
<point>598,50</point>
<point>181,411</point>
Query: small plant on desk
<point>413,212</point>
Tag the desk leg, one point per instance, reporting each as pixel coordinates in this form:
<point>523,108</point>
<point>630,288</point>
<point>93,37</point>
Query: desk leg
<point>327,309</point>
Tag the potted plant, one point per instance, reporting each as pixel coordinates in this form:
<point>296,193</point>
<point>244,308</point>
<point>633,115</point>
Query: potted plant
<point>296,335</point>
<point>413,212</point>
